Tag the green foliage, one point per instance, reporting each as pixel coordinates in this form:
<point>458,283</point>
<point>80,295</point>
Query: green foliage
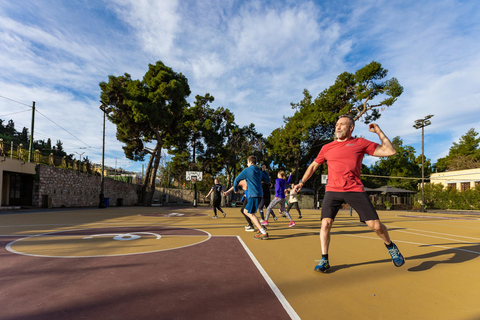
<point>402,164</point>
<point>438,197</point>
<point>362,94</point>
<point>462,155</point>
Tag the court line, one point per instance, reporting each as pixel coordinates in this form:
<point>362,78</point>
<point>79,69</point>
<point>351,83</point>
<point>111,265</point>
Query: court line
<point>9,248</point>
<point>416,243</point>
<point>439,233</point>
<point>288,308</point>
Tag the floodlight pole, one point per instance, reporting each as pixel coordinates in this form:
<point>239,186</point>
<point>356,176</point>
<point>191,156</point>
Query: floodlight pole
<point>422,123</point>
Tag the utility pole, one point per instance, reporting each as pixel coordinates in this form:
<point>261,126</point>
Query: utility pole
<point>30,148</point>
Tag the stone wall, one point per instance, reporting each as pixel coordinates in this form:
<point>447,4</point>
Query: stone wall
<point>56,187</point>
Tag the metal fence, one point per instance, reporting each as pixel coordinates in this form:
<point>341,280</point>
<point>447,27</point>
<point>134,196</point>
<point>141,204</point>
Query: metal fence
<point>9,150</point>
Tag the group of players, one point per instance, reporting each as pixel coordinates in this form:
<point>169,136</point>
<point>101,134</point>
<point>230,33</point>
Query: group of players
<point>344,160</point>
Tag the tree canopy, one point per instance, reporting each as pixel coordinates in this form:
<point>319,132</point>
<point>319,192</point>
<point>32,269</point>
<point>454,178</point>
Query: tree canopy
<point>145,111</point>
<point>462,155</point>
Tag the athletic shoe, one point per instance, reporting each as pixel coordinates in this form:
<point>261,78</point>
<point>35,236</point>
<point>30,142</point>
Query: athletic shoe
<point>261,236</point>
<point>249,229</point>
<point>322,266</point>
<point>397,257</point>
<point>292,223</point>
<point>224,214</point>
<point>214,217</point>
<point>275,218</point>
<point>261,220</point>
<point>300,217</point>
<point>264,223</point>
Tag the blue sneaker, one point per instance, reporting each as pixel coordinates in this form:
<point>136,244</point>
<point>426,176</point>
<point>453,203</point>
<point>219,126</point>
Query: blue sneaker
<point>397,257</point>
<point>322,266</point>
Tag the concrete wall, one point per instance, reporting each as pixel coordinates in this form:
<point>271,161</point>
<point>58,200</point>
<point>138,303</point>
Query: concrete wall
<point>58,187</point>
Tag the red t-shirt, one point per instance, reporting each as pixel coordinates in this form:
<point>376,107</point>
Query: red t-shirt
<point>344,160</point>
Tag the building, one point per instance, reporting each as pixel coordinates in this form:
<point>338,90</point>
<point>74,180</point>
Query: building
<point>459,179</point>
<point>16,182</point>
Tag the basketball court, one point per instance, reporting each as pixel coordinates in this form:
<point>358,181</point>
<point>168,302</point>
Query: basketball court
<point>179,263</point>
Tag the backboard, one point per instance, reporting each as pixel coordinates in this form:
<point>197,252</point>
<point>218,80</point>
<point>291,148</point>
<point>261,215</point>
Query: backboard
<point>196,175</point>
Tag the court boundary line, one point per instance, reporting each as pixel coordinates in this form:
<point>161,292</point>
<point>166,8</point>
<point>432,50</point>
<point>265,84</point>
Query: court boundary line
<point>416,243</point>
<point>288,308</point>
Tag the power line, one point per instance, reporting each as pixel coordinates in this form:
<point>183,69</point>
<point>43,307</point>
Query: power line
<point>374,176</point>
<point>15,101</point>
<point>13,113</point>
<point>62,128</point>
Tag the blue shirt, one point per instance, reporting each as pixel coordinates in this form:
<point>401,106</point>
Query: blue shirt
<point>254,176</point>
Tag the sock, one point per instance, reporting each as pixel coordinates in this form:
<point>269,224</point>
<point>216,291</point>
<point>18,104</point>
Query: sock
<point>325,256</point>
<point>389,246</point>
<point>263,231</point>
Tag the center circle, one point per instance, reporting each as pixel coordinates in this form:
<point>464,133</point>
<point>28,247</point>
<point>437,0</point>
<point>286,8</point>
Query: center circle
<point>105,242</point>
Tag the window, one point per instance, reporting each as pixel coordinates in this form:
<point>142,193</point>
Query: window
<point>464,186</point>
<point>452,185</point>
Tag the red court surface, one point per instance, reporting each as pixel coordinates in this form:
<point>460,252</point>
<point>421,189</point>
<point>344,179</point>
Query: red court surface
<point>178,263</point>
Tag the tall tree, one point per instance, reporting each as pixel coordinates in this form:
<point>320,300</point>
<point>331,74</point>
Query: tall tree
<point>462,155</point>
<point>363,95</point>
<point>403,164</point>
<point>147,111</point>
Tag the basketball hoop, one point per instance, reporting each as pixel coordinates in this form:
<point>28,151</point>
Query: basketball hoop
<point>193,179</point>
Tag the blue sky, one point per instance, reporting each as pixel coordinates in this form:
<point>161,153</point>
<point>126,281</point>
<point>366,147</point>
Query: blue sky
<point>254,57</point>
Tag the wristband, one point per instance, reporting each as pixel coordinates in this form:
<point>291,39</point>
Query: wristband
<point>301,182</point>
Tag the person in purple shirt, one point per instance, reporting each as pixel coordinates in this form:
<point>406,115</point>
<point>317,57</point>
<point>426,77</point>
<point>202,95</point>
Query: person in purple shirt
<point>280,184</point>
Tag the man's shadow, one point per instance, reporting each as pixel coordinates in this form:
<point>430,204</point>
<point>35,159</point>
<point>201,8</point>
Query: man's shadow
<point>445,256</point>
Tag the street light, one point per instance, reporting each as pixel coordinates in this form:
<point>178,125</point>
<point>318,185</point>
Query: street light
<point>80,154</point>
<point>422,123</point>
<point>106,109</point>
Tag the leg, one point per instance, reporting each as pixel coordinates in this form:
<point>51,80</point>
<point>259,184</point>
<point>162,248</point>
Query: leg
<point>262,203</point>
<point>298,209</point>
<point>368,214</point>
<point>254,219</point>
<point>325,234</point>
<point>380,229</point>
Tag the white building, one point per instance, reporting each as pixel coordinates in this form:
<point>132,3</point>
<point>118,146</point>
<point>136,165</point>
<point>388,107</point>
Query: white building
<point>459,179</point>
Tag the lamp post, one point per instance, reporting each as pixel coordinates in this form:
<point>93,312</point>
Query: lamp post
<point>80,154</point>
<point>106,109</point>
<point>422,123</point>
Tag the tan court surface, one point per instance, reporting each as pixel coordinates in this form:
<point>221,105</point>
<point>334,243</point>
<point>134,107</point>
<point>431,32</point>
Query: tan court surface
<point>440,279</point>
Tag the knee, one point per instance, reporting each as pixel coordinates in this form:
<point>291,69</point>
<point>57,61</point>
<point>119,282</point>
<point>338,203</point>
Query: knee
<point>326,224</point>
<point>377,226</point>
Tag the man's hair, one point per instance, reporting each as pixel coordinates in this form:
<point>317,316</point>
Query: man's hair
<point>252,159</point>
<point>352,122</point>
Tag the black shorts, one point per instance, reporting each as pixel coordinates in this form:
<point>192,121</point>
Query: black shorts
<point>359,201</point>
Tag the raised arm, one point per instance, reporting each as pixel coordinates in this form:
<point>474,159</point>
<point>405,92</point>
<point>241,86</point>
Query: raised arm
<point>310,170</point>
<point>385,149</point>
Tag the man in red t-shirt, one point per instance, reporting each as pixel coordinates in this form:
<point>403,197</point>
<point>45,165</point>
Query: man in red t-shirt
<point>344,159</point>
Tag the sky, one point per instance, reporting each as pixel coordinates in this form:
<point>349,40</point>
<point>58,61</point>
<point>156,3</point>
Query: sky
<point>254,57</point>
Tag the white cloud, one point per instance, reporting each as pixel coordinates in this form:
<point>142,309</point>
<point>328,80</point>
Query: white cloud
<point>254,57</point>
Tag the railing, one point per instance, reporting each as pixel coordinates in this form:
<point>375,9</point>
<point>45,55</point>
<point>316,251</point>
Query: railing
<point>20,153</point>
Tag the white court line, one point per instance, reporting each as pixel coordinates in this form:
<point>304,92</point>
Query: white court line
<point>9,246</point>
<point>439,233</point>
<point>288,308</point>
<point>416,243</point>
